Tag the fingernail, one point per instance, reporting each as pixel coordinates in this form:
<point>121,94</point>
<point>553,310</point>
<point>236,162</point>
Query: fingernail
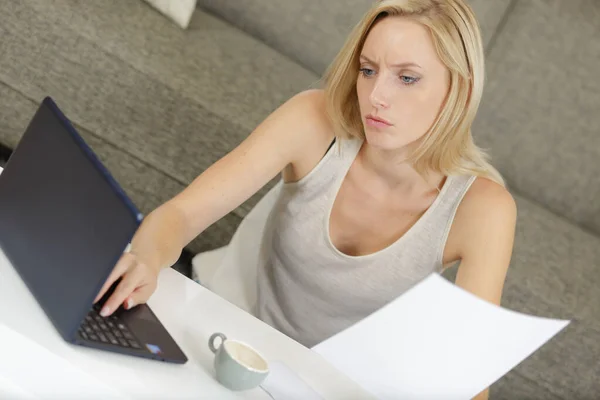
<point>130,304</point>
<point>104,312</point>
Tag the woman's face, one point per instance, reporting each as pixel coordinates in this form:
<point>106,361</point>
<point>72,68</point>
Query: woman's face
<point>401,85</point>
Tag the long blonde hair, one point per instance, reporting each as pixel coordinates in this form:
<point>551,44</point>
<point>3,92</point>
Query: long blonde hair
<point>448,146</point>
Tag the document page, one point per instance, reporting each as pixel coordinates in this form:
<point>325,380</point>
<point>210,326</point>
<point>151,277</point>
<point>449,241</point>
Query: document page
<point>284,384</point>
<point>437,341</point>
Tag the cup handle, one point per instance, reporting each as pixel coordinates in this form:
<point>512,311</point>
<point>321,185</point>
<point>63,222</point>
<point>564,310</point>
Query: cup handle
<point>211,341</point>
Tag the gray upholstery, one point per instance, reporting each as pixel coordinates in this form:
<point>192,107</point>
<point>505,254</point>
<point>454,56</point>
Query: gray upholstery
<point>554,273</point>
<point>159,105</point>
<point>176,101</point>
<point>312,31</point>
<point>540,116</point>
<point>148,186</point>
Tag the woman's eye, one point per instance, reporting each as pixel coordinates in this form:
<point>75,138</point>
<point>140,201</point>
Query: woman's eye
<point>408,80</point>
<point>367,72</point>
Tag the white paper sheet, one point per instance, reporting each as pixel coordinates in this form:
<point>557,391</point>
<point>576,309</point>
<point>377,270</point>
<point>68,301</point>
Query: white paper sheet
<point>284,384</point>
<point>436,341</point>
<point>29,371</point>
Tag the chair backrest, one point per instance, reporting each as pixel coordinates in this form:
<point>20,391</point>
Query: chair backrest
<point>235,279</point>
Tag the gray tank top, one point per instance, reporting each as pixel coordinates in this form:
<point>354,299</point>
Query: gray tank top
<point>308,289</point>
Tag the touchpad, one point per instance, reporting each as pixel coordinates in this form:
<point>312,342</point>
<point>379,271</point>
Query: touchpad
<point>141,312</point>
<point>150,332</point>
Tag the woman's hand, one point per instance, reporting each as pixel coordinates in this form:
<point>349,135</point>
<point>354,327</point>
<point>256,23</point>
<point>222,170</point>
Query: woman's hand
<point>136,286</point>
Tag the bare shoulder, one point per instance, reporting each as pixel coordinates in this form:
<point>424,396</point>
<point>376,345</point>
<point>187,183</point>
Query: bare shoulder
<point>311,129</point>
<point>309,108</point>
<point>482,237</point>
<point>309,103</point>
<point>290,132</point>
<point>304,117</point>
<point>487,210</point>
<point>487,199</point>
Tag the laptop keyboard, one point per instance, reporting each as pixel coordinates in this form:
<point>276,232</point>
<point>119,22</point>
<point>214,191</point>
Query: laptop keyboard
<point>107,330</point>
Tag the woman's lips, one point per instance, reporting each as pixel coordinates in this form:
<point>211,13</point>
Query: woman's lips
<point>377,122</point>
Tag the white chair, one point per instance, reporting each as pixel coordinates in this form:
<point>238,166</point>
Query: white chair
<point>231,271</point>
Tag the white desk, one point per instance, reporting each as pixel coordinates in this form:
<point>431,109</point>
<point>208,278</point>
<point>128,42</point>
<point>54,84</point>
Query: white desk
<point>191,313</point>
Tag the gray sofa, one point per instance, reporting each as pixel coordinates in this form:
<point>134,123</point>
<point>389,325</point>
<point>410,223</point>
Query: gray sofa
<point>160,104</point>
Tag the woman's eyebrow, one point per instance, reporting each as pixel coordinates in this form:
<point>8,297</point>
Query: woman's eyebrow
<point>404,64</point>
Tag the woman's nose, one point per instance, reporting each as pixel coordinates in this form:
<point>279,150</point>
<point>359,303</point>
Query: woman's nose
<point>378,97</point>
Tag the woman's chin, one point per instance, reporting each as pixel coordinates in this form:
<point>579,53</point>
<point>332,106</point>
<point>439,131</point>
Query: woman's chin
<point>388,140</point>
<point>380,139</point>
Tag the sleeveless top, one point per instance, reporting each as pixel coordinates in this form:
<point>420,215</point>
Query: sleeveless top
<point>307,288</point>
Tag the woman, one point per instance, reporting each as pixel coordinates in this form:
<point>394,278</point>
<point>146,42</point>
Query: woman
<point>402,193</point>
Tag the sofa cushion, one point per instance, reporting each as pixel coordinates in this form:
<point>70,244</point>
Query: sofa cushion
<point>172,100</point>
<point>147,186</point>
<point>312,31</point>
<point>555,273</point>
<point>539,115</point>
<point>515,386</point>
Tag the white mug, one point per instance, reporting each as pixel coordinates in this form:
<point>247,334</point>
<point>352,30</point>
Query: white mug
<point>237,365</point>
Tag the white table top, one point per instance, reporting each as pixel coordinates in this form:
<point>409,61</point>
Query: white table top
<point>191,313</point>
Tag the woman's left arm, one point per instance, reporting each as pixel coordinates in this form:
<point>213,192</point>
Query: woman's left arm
<point>486,230</point>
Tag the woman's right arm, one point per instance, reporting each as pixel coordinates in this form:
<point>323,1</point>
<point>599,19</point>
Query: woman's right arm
<point>291,137</point>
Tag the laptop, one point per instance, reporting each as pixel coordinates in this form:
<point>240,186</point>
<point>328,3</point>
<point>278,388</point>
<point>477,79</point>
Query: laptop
<point>64,224</point>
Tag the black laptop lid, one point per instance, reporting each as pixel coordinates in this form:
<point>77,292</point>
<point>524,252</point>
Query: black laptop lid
<point>64,221</point>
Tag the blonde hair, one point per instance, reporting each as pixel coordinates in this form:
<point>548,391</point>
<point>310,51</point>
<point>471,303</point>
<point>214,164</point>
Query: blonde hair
<point>448,146</point>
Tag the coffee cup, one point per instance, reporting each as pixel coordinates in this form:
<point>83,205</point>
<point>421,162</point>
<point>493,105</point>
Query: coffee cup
<point>237,365</point>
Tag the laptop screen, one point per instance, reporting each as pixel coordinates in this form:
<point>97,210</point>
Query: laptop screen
<point>64,222</point>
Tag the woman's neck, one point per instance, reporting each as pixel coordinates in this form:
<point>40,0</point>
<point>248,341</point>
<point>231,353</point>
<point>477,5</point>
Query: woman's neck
<point>392,171</point>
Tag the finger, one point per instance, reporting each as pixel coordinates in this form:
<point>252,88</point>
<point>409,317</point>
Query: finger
<point>127,285</point>
<point>122,266</point>
<point>140,295</point>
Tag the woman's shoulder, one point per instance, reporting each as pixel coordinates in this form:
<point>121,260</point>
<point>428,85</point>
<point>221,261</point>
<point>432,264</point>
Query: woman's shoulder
<point>486,208</point>
<point>312,129</point>
<point>308,118</point>
<point>485,221</point>
<point>484,200</point>
<point>488,196</point>
<point>310,105</point>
